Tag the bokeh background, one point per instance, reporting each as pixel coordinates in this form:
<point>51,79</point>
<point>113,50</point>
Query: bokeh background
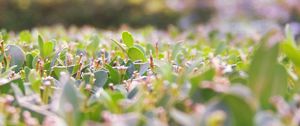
<point>24,14</point>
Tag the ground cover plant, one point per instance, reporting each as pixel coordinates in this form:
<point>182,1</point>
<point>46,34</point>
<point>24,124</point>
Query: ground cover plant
<point>84,76</point>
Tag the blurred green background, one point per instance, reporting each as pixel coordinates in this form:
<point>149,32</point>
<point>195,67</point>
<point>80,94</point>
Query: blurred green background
<point>23,14</point>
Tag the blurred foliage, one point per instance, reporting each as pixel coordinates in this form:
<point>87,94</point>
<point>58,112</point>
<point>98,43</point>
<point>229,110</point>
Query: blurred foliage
<point>21,14</point>
<point>83,76</point>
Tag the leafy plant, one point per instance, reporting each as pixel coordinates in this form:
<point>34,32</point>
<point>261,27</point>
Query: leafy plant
<point>203,80</point>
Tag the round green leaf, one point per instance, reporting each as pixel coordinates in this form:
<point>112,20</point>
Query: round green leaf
<point>136,54</point>
<point>17,56</point>
<point>127,39</point>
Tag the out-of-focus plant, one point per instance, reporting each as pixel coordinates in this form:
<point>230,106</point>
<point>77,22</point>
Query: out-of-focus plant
<point>55,76</point>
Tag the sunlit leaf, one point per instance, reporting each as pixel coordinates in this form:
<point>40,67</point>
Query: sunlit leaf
<point>127,39</point>
<point>25,36</point>
<point>48,49</point>
<point>136,54</point>
<point>289,47</point>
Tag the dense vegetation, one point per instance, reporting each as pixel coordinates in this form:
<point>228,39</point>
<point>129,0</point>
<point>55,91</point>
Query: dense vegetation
<point>57,76</point>
<point>26,14</point>
<point>100,13</point>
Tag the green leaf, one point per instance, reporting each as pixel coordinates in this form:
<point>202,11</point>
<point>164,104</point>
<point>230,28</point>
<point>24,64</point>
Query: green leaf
<point>266,77</point>
<point>93,45</point>
<point>58,69</point>
<point>29,59</point>
<point>109,99</point>
<point>235,115</point>
<point>289,35</point>
<point>114,75</point>
<point>242,116</point>
<point>34,61</point>
<point>136,54</point>
<point>202,95</point>
<point>101,78</point>
<point>1,57</point>
<point>198,78</point>
<point>48,49</point>
<point>35,81</point>
<point>41,45</point>
<point>62,54</point>
<point>70,103</point>
<point>25,36</point>
<point>17,56</point>
<point>140,48</point>
<point>220,48</point>
<point>4,35</point>
<point>291,52</point>
<point>127,39</point>
<point>179,58</point>
<point>176,49</point>
<point>5,85</point>
<point>47,67</point>
<point>75,68</point>
<point>119,45</point>
<point>27,71</point>
<point>70,95</point>
<point>289,47</point>
<point>86,78</point>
